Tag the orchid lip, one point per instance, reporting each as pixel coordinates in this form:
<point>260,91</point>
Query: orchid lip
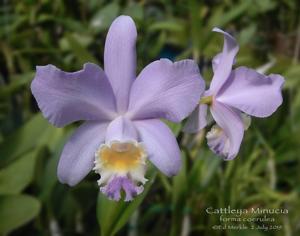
<point>218,142</point>
<point>122,166</point>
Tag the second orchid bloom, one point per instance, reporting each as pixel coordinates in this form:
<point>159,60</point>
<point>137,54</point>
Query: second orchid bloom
<point>233,93</point>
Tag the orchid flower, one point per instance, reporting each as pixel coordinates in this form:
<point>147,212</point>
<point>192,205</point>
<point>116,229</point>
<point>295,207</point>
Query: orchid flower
<point>121,114</point>
<point>233,93</point>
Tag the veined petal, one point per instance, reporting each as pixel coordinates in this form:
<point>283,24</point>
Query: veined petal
<point>113,188</point>
<point>65,97</point>
<point>166,90</point>
<point>161,145</point>
<point>232,125</point>
<point>197,120</point>
<point>225,61</point>
<point>251,92</point>
<point>120,58</point>
<point>77,158</point>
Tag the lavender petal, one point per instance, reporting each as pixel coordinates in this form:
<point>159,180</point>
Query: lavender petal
<point>161,145</point>
<point>231,123</point>
<point>251,92</point>
<point>65,97</point>
<point>120,58</point>
<point>77,158</point>
<point>197,120</point>
<point>225,61</point>
<point>166,90</point>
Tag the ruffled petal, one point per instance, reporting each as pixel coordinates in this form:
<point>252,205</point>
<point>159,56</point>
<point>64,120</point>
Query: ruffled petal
<point>197,120</point>
<point>231,124</point>
<point>120,58</point>
<point>161,145</point>
<point>253,93</point>
<point>113,189</point>
<point>77,158</point>
<point>65,97</point>
<point>217,141</point>
<point>224,61</point>
<point>166,90</point>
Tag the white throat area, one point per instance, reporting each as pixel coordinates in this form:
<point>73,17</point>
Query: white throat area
<point>121,166</point>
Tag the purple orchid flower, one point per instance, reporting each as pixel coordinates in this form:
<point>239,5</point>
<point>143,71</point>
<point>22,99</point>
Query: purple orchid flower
<point>122,129</point>
<point>231,94</point>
